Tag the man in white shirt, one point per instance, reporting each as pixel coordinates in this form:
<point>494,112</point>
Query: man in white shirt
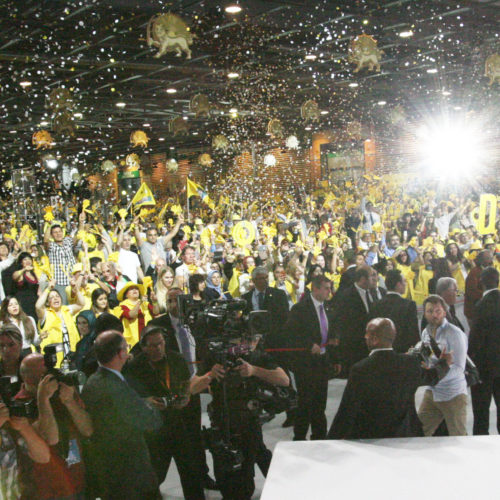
<point>129,261</point>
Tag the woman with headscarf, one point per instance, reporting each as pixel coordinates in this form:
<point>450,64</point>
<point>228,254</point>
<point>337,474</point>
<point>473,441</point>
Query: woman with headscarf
<point>85,324</point>
<point>214,287</point>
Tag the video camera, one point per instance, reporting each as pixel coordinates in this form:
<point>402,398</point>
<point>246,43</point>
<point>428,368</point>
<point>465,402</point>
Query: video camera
<point>73,378</point>
<point>423,351</point>
<point>27,409</point>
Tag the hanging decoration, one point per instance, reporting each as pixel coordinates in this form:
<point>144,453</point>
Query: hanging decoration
<point>172,166</point>
<point>59,99</point>
<point>220,142</point>
<point>275,128</point>
<point>178,126</point>
<point>363,51</point>
<point>139,138</point>
<point>205,160</point>
<point>292,142</point>
<point>64,123</point>
<point>42,139</point>
<point>199,105</point>
<point>107,166</point>
<point>132,162</point>
<point>310,110</point>
<point>492,68</point>
<point>169,33</point>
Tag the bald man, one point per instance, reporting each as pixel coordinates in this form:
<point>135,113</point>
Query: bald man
<point>379,398</point>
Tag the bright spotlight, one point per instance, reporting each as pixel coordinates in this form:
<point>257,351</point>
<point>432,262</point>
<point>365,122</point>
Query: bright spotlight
<point>452,149</point>
<point>50,162</point>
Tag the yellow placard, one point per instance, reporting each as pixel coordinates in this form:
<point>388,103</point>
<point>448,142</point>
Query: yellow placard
<point>486,217</point>
<point>243,233</point>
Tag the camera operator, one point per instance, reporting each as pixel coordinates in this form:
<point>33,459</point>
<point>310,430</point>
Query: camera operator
<point>179,339</point>
<point>235,383</point>
<point>18,439</point>
<point>63,423</point>
<point>162,377</point>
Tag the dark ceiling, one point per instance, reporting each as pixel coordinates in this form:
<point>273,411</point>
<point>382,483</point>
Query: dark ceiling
<point>98,50</point>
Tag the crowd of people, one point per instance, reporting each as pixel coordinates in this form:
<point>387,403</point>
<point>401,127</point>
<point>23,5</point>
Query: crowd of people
<point>342,274</point>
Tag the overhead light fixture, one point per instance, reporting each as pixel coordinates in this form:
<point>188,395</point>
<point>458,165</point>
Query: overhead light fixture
<point>13,131</point>
<point>233,8</point>
<point>381,103</point>
<point>324,112</point>
<point>311,57</point>
<point>25,84</point>
<point>406,34</point>
<point>44,123</point>
<point>78,115</point>
<point>146,125</point>
<point>233,110</point>
<point>432,71</point>
<point>365,21</point>
<point>233,74</point>
<point>161,139</point>
<point>120,104</point>
<point>354,84</point>
<point>446,92</point>
<point>308,128</point>
<point>171,90</point>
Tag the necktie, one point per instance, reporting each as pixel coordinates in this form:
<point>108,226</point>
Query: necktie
<point>368,299</point>
<point>186,348</point>
<point>371,219</point>
<point>260,300</point>
<point>323,322</point>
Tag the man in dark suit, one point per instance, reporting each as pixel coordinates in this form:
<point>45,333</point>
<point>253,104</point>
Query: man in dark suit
<point>310,329</point>
<point>273,300</point>
<point>473,291</point>
<point>484,350</point>
<point>179,339</point>
<point>379,398</point>
<point>402,312</point>
<point>350,316</point>
<point>120,418</point>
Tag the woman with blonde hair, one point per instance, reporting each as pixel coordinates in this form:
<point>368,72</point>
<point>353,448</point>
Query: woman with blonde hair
<point>166,280</point>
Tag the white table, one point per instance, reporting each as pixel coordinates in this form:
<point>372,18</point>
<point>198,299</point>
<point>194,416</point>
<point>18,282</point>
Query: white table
<point>441,468</point>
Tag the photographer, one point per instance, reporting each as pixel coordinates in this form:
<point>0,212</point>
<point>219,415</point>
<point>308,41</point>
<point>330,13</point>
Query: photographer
<point>18,438</point>
<point>162,377</point>
<point>63,423</point>
<point>235,382</point>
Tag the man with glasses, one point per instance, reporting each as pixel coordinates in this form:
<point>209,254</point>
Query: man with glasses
<point>121,417</point>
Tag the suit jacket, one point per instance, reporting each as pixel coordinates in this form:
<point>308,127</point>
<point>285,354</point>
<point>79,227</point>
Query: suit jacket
<point>379,398</point>
<point>276,302</point>
<point>404,314</point>
<point>484,338</point>
<point>303,330</point>
<point>349,324</point>
<point>347,278</point>
<point>473,292</point>
<point>120,418</point>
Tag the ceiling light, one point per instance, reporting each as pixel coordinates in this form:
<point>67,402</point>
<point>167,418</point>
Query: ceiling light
<point>233,74</point>
<point>446,92</point>
<point>161,139</point>
<point>354,84</point>
<point>78,115</point>
<point>406,34</point>
<point>147,125</point>
<point>171,91</point>
<point>311,57</point>
<point>25,84</point>
<point>324,112</point>
<point>432,70</point>
<point>307,128</point>
<point>233,9</point>
<point>195,133</point>
<point>120,104</point>
<point>233,110</point>
<point>44,123</point>
<point>365,21</point>
<point>13,131</point>
<point>50,162</point>
<point>172,147</point>
<point>381,103</point>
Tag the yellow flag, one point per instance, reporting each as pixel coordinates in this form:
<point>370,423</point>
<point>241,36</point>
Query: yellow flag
<point>143,197</point>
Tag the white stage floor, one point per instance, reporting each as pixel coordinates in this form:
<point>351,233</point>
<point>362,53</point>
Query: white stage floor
<point>274,433</point>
